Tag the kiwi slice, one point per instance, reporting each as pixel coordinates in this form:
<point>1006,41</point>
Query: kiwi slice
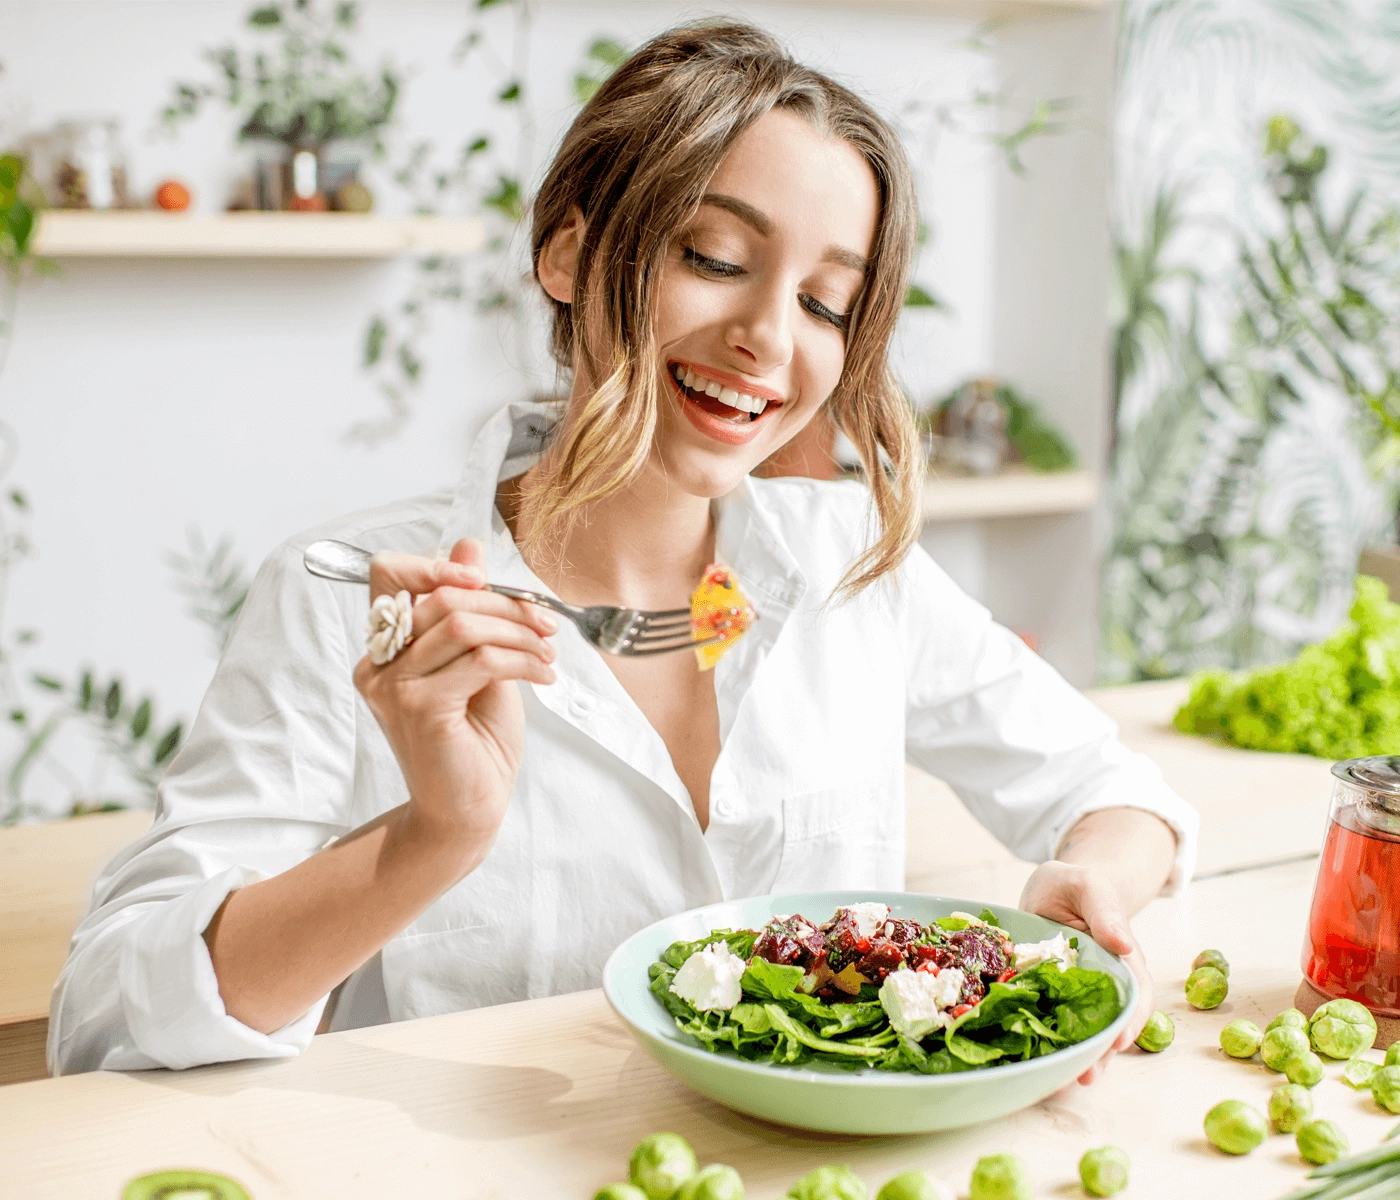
<point>184,1185</point>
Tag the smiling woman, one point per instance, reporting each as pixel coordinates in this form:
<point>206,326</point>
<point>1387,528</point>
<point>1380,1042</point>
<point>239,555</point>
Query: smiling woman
<point>484,814</point>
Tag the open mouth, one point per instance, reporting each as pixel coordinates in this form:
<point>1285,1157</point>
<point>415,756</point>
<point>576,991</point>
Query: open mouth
<point>719,399</point>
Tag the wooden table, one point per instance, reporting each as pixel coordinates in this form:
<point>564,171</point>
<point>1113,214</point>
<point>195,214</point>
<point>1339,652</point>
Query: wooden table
<point>546,1098</point>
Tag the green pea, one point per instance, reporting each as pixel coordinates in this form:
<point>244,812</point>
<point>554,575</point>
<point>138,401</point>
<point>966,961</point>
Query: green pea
<point>660,1164</point>
<point>1321,1142</point>
<point>915,1185</point>
<point>1342,1029</point>
<point>1385,1087</point>
<point>1211,958</point>
<point>1157,1034</point>
<point>1282,1043</point>
<point>829,1183</point>
<point>1241,1039</point>
<point>1000,1177</point>
<point>1236,1127</point>
<point>1206,987</point>
<point>1104,1172</point>
<point>1289,1016</point>
<point>1304,1069</point>
<point>714,1182</point>
<point>1290,1106</point>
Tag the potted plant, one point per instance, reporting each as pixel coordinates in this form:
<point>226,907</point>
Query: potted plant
<point>297,98</point>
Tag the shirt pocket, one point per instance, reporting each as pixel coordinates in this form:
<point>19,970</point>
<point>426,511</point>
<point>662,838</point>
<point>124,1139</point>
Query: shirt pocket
<point>841,838</point>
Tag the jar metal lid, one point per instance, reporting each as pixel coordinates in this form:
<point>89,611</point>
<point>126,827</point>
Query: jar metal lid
<point>1379,776</point>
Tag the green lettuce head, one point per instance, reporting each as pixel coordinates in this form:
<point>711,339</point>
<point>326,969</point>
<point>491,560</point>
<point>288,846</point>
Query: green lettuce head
<point>829,1183</point>
<point>1241,1039</point>
<point>1289,1016</point>
<point>1290,1107</point>
<point>915,1185</point>
<point>1206,987</point>
<point>1000,1177</point>
<point>1157,1034</point>
<point>660,1164</point>
<point>1385,1088</point>
<point>715,1182</point>
<point>1321,1142</point>
<point>1304,1069</point>
<point>1211,958</point>
<point>1342,1029</point>
<point>1104,1172</point>
<point>1282,1043</point>
<point>1236,1127</point>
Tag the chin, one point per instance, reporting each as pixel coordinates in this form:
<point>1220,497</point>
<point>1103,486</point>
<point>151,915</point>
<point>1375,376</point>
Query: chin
<point>697,473</point>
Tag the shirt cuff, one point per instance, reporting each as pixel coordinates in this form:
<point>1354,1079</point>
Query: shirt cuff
<point>171,994</point>
<point>1150,793</point>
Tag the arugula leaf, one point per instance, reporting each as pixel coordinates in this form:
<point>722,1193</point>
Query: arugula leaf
<point>798,1032</point>
<point>740,942</point>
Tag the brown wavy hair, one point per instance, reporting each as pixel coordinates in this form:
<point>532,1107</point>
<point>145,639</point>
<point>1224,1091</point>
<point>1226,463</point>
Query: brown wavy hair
<point>636,163</point>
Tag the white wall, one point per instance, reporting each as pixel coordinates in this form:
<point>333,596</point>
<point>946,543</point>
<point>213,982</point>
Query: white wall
<point>151,397</point>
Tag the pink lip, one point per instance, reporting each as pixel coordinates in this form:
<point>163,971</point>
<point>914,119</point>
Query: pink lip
<point>716,427</point>
<point>728,380</point>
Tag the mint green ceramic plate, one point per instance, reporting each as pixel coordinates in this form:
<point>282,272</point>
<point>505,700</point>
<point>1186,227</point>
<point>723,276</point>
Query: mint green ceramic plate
<point>820,1096</point>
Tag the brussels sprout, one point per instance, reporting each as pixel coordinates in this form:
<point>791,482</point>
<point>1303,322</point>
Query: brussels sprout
<point>1236,1127</point>
<point>620,1191</point>
<point>1241,1039</point>
<point>1385,1087</point>
<point>1206,987</point>
<point>660,1164</point>
<point>1289,1016</point>
<point>1358,1072</point>
<point>915,1185</point>
<point>1342,1029</point>
<point>1289,1107</point>
<point>1157,1034</point>
<point>715,1182</point>
<point>1211,958</point>
<point>1321,1141</point>
<point>1304,1069</point>
<point>1104,1172</point>
<point>1392,1056</point>
<point>999,1177</point>
<point>1281,1044</point>
<point>829,1183</point>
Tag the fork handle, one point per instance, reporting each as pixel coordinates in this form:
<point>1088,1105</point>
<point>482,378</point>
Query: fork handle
<point>566,610</point>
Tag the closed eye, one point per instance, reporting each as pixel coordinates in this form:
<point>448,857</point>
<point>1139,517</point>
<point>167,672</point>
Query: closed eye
<point>706,265</point>
<point>820,310</point>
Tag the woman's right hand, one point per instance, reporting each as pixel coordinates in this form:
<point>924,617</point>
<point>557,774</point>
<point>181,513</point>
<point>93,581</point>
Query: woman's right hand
<point>448,703</point>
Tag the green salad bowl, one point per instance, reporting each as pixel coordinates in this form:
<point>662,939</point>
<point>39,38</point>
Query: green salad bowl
<point>828,1097</point>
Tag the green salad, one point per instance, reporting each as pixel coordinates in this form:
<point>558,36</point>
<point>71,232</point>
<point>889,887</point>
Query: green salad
<point>867,989</point>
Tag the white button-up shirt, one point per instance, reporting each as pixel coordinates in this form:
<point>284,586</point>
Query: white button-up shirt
<point>820,704</point>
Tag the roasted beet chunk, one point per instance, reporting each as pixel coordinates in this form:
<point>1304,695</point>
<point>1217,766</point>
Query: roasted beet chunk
<point>884,956</point>
<point>790,941</point>
<point>902,933</point>
<point>981,949</point>
<point>937,953</point>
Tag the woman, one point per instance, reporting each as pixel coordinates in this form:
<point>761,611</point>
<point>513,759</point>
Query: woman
<point>483,818</point>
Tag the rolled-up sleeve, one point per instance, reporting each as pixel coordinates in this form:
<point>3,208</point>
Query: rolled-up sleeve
<point>1027,753</point>
<point>263,781</point>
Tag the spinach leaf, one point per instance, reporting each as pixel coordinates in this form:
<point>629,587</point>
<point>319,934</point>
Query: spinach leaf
<point>661,976</point>
<point>1084,1001</point>
<point>798,1032</point>
<point>851,1016</point>
<point>740,942</point>
<point>772,981</point>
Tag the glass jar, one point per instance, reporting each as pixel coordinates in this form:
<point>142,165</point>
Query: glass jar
<point>90,166</point>
<point>1353,945</point>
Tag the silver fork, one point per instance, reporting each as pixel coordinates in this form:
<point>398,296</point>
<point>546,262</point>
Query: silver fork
<point>627,631</point>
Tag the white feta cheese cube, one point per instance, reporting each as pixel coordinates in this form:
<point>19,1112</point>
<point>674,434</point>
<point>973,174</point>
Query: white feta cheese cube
<point>709,978</point>
<point>1057,949</point>
<point>916,1002</point>
<point>868,917</point>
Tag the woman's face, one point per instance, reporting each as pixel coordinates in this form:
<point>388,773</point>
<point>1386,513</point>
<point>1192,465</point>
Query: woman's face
<point>754,298</point>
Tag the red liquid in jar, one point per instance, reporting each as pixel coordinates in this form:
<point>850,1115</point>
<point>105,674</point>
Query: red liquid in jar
<point>1353,950</point>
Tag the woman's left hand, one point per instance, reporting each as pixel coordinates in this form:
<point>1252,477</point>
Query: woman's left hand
<point>1084,898</point>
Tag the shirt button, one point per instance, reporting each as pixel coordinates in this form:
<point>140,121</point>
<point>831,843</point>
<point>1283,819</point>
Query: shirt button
<point>722,808</point>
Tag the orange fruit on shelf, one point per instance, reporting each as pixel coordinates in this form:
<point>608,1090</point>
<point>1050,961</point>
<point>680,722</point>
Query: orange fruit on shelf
<point>173,196</point>
<point>718,606</point>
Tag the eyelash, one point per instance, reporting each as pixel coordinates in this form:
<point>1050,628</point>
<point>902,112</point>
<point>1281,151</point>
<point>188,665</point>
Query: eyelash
<point>717,268</point>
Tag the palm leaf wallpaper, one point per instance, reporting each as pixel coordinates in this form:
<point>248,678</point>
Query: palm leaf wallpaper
<point>1256,348</point>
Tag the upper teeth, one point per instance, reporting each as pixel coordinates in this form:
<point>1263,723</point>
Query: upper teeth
<point>725,395</point>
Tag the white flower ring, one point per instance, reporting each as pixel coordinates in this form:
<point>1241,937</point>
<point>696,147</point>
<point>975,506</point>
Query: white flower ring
<point>390,627</point>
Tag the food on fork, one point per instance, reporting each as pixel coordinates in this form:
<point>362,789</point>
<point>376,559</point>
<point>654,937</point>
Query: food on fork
<point>718,606</point>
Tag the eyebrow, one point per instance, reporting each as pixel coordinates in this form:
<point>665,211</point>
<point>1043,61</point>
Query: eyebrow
<point>746,212</point>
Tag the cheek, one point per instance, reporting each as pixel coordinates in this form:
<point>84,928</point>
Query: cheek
<point>823,358</point>
<point>685,303</point>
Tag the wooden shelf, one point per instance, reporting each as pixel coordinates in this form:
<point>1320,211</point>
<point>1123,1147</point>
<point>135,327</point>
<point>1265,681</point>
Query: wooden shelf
<point>64,234</point>
<point>1015,493</point>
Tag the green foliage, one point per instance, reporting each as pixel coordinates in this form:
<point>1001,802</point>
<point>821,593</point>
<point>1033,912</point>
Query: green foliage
<point>305,92</point>
<point>215,583</point>
<point>1036,442</point>
<point>917,296</point>
<point>1337,699</point>
<point>20,204</point>
<point>603,58</point>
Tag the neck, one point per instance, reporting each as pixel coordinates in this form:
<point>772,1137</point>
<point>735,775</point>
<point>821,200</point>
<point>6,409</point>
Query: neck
<point>646,546</point>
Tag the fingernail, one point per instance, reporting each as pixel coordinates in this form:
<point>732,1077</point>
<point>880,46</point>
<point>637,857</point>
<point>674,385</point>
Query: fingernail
<point>547,622</point>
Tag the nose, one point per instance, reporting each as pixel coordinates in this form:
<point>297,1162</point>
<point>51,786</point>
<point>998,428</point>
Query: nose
<point>762,328</point>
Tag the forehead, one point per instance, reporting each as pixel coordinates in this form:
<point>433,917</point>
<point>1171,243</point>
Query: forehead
<point>813,187</point>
